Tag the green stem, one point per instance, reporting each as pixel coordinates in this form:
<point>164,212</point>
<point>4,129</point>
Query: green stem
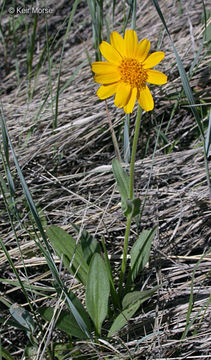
<point>131,190</point>
<point>124,259</point>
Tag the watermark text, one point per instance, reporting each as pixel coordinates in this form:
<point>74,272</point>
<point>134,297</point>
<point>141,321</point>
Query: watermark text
<point>29,10</point>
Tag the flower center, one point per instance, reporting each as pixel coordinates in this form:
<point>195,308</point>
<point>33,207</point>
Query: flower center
<point>132,72</point>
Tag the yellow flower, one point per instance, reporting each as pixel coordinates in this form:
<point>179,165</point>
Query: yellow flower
<point>127,70</point>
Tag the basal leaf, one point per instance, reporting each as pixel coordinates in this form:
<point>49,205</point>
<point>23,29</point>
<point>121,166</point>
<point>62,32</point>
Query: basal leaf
<point>123,318</point>
<point>97,291</point>
<point>13,323</point>
<point>89,244</point>
<point>135,296</point>
<point>78,305</point>
<point>65,322</point>
<point>6,355</point>
<point>22,316</point>
<point>31,352</point>
<point>71,253</point>
<point>140,252</point>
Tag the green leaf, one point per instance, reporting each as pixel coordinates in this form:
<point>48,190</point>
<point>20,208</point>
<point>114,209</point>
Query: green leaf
<point>140,252</point>
<point>71,253</point>
<point>123,318</point>
<point>135,296</point>
<point>5,354</point>
<point>122,180</point>
<point>22,316</point>
<point>13,323</point>
<point>114,294</point>
<point>78,305</point>
<point>65,322</point>
<point>30,352</point>
<point>97,291</point>
<point>89,244</point>
<point>132,207</point>
<point>61,350</point>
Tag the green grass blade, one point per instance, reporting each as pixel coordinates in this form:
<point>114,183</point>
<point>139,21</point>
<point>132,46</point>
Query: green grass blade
<point>134,10</point>
<point>191,300</point>
<point>45,250</point>
<point>183,75</point>
<point>31,49</point>
<point>208,136</point>
<point>188,93</point>
<point>75,5</point>
<point>96,12</point>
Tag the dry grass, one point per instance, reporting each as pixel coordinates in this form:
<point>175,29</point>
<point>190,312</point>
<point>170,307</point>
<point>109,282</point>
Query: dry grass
<point>68,171</point>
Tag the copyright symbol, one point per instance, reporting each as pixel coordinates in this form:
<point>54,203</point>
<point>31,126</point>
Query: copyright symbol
<point>11,10</point>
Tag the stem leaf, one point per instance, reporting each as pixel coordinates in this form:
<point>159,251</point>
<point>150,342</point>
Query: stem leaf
<point>130,207</point>
<point>122,179</point>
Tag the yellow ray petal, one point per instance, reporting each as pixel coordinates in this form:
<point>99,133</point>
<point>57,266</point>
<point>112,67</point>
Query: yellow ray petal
<point>130,105</point>
<point>106,91</point>
<point>145,99</point>
<point>142,50</point>
<point>131,42</point>
<point>102,67</point>
<point>118,42</point>
<point>110,53</point>
<point>156,77</point>
<point>122,94</point>
<point>107,78</point>
<point>153,59</point>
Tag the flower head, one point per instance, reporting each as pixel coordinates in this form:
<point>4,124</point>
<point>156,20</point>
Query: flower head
<point>127,70</point>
